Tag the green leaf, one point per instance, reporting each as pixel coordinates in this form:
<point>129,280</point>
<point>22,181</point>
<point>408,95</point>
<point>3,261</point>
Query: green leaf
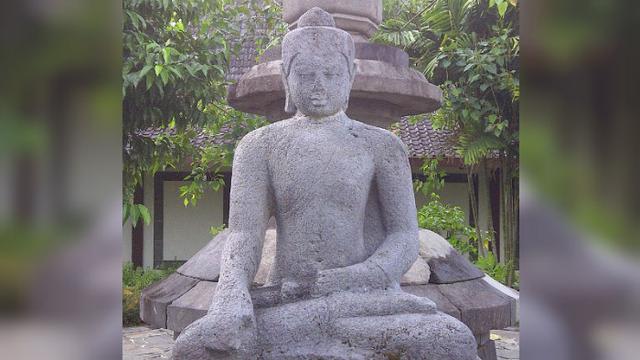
<point>144,213</point>
<point>164,76</point>
<point>158,69</point>
<point>149,80</point>
<point>166,55</point>
<point>145,70</point>
<point>502,8</point>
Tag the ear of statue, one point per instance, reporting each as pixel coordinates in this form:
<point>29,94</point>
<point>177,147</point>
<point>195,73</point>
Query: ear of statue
<point>354,70</point>
<point>352,76</point>
<point>289,106</point>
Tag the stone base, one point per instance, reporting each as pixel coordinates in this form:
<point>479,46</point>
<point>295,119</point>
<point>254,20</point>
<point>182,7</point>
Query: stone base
<point>286,332</point>
<point>453,285</point>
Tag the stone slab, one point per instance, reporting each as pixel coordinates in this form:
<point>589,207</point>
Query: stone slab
<point>191,306</point>
<point>482,308</point>
<point>155,299</point>
<point>364,51</point>
<point>452,268</point>
<point>205,264</point>
<point>487,351</point>
<point>381,92</point>
<point>514,296</point>
<point>446,264</point>
<point>431,291</point>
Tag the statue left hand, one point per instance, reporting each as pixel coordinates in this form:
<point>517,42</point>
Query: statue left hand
<point>358,277</point>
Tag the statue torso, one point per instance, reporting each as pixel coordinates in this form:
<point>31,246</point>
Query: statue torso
<point>321,174</point>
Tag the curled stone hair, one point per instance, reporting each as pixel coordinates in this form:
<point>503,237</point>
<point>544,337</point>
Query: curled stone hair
<point>316,34</point>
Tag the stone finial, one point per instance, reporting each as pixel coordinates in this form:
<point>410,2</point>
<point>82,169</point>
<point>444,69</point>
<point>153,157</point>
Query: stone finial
<point>316,17</point>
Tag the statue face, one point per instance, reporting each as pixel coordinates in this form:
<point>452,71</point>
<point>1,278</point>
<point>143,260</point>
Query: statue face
<point>319,86</point>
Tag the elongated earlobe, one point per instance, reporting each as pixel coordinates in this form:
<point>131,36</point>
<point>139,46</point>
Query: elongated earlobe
<point>289,106</point>
<point>352,75</point>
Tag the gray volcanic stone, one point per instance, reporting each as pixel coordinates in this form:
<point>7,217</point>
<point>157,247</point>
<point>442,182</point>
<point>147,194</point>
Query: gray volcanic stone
<point>431,292</point>
<point>446,264</point>
<point>481,307</point>
<point>205,264</point>
<point>190,306</point>
<point>155,299</point>
<point>342,196</point>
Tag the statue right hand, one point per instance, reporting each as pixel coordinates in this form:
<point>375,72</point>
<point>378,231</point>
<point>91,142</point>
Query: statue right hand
<point>231,328</point>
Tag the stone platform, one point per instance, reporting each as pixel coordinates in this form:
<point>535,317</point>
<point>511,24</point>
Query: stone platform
<point>144,343</point>
<point>441,274</point>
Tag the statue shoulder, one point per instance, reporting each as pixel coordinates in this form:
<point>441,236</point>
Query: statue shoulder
<point>383,141</point>
<point>262,139</point>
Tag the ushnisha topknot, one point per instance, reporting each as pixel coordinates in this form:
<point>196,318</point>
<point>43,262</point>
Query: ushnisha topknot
<point>316,17</point>
<point>316,34</point>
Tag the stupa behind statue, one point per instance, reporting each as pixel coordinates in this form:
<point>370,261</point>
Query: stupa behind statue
<point>342,197</point>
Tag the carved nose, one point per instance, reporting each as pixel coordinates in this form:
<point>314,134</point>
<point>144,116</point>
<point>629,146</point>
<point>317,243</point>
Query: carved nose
<point>318,84</point>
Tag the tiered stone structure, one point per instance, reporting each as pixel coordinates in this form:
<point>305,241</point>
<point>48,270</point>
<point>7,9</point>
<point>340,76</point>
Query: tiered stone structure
<point>385,88</point>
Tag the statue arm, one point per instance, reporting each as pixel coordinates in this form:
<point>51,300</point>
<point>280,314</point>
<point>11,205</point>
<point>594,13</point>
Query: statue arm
<point>399,250</point>
<point>395,255</point>
<point>250,209</point>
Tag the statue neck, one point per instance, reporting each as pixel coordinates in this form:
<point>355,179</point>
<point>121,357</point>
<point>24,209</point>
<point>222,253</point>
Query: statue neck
<point>339,117</point>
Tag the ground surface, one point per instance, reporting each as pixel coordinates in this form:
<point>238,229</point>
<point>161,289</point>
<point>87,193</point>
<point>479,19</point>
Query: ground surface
<point>141,342</point>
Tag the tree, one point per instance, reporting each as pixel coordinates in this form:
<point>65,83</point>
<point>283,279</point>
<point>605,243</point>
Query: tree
<point>175,62</point>
<point>471,49</point>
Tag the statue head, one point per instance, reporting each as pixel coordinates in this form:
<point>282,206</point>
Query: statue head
<point>317,66</point>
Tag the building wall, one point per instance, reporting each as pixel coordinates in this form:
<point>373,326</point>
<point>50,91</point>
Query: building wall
<point>186,229</point>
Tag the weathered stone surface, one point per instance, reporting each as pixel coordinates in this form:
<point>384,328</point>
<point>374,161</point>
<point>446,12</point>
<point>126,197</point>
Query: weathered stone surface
<point>268,256</point>
<point>446,264</point>
<point>361,17</point>
<point>381,94</point>
<point>155,299</point>
<point>142,343</point>
<point>431,291</point>
<point>487,351</point>
<point>418,274</point>
<point>342,195</point>
<point>512,295</point>
<point>191,306</point>
<point>364,51</point>
<point>482,308</point>
<point>205,264</point>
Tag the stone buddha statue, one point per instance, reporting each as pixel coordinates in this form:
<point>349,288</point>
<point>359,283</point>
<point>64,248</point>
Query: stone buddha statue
<point>341,194</point>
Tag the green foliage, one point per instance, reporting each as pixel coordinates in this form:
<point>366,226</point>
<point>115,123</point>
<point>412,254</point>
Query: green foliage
<point>434,178</point>
<point>134,280</point>
<point>471,49</point>
<point>215,230</point>
<point>450,222</point>
<point>175,60</point>
<point>490,266</point>
<point>481,93</point>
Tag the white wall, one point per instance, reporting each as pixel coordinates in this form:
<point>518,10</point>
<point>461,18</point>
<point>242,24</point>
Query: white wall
<point>186,229</point>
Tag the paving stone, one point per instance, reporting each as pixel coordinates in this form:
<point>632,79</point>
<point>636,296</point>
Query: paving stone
<point>143,343</point>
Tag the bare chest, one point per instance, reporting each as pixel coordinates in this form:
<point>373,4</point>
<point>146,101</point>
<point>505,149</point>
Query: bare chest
<point>327,166</point>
